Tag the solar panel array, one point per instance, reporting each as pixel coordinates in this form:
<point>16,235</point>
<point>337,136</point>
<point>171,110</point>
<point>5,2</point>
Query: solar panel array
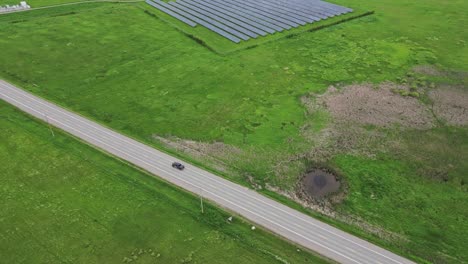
<point>239,20</point>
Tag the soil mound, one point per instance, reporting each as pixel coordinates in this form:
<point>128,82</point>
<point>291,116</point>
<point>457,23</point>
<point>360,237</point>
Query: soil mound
<point>319,183</point>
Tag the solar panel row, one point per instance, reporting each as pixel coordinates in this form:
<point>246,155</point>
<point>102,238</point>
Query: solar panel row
<point>259,16</point>
<point>199,21</point>
<point>169,12</point>
<point>210,21</point>
<point>288,8</point>
<point>229,18</point>
<point>239,20</point>
<point>220,18</point>
<point>282,13</point>
<point>296,11</point>
<point>302,10</point>
<point>261,11</point>
<point>252,21</point>
<point>305,8</point>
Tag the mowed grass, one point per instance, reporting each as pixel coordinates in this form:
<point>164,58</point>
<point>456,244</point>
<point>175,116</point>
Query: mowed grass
<point>131,71</point>
<point>44,3</point>
<point>64,202</point>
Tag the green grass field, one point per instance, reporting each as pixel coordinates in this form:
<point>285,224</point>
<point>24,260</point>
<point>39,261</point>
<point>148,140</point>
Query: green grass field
<point>44,3</point>
<point>135,73</point>
<point>64,202</point>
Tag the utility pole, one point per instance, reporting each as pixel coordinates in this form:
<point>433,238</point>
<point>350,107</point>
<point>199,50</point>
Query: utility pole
<point>48,123</point>
<point>201,200</point>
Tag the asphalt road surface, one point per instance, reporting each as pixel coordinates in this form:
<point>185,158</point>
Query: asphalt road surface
<point>280,219</point>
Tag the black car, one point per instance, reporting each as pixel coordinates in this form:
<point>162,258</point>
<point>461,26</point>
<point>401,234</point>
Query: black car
<point>178,165</point>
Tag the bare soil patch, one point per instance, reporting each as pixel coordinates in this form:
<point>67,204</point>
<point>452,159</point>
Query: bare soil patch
<point>451,105</point>
<point>366,105</point>
<point>217,153</point>
<point>320,183</point>
<point>199,148</point>
<point>431,70</point>
<point>352,139</point>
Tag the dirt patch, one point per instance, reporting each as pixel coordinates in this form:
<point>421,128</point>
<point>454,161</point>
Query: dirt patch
<point>451,105</point>
<point>350,139</point>
<point>218,154</point>
<point>352,108</point>
<point>319,183</point>
<point>366,105</point>
<point>224,157</point>
<point>199,148</point>
<point>431,70</point>
<point>382,107</point>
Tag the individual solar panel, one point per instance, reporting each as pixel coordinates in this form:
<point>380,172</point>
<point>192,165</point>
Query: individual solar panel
<point>229,18</point>
<point>169,12</point>
<point>210,21</point>
<point>242,15</point>
<point>218,17</point>
<point>199,21</point>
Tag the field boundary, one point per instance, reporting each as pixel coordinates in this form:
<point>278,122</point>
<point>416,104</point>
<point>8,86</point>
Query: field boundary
<point>295,34</point>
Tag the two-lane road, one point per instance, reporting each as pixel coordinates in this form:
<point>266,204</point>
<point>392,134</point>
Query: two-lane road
<point>282,220</point>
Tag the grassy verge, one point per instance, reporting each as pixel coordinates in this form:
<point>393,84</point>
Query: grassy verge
<point>62,201</point>
<point>133,73</point>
